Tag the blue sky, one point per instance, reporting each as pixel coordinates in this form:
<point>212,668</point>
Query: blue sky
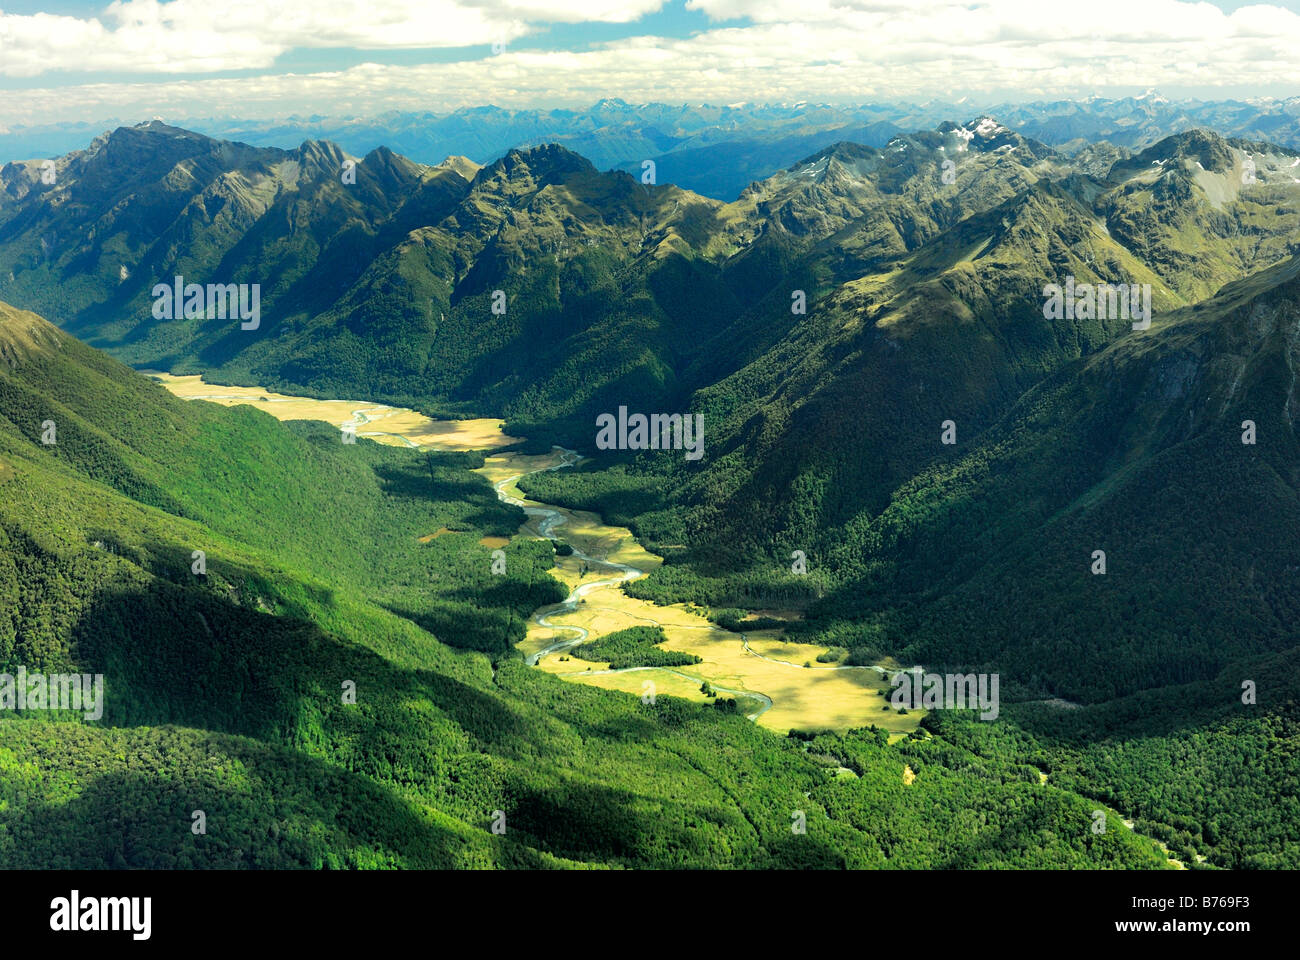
<point>88,61</point>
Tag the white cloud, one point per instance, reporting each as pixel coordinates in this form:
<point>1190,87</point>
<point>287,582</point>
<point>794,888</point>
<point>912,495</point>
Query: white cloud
<point>201,36</point>
<point>836,50</point>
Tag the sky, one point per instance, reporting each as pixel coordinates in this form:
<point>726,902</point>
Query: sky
<point>136,59</point>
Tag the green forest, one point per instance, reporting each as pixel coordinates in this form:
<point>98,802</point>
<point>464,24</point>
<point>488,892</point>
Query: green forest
<point>906,461</point>
<point>226,691</point>
<point>633,647</point>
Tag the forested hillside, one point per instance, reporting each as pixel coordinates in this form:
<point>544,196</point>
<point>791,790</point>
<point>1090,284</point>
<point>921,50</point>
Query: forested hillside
<point>1098,512</point>
<point>224,689</point>
<point>1168,454</point>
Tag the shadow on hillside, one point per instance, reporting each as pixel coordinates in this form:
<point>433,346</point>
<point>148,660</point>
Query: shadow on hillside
<point>264,807</point>
<point>413,481</point>
<point>491,631</point>
<point>176,564</point>
<point>181,653</point>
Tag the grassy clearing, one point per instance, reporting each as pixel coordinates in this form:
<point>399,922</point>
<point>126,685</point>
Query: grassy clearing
<point>440,532</point>
<point>393,425</point>
<point>803,697</point>
<point>818,695</point>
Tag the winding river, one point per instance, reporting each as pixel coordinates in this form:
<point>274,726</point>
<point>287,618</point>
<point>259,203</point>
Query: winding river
<point>784,681</point>
<point>548,519</point>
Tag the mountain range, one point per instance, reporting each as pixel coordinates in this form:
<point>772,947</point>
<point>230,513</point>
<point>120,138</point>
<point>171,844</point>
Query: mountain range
<point>714,150</point>
<point>885,389</point>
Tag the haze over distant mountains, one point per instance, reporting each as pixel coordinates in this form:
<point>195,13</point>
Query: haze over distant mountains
<point>713,150</point>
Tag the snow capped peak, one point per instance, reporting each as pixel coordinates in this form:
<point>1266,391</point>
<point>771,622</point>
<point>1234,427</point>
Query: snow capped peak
<point>818,167</point>
<point>986,127</point>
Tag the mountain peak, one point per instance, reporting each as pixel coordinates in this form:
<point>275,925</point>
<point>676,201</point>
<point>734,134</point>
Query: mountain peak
<point>985,127</point>
<point>155,127</point>
<point>1205,147</point>
<point>544,162</point>
<point>152,139</point>
<point>844,150</point>
<point>323,153</point>
<point>466,167</point>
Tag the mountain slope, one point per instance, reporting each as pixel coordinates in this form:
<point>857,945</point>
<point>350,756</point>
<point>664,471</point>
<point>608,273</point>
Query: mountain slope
<point>223,688</point>
<point>386,286</point>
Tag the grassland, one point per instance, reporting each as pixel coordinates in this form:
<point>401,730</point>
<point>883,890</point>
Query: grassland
<point>815,696</point>
<point>812,697</point>
<point>803,697</point>
<point>383,423</point>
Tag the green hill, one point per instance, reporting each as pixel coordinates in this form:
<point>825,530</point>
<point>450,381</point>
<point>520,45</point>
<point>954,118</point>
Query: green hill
<point>923,266</point>
<point>223,689</point>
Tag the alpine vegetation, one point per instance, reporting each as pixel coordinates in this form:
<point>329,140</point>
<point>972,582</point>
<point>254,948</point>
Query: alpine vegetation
<point>1102,301</point>
<point>219,301</point>
<point>658,431</point>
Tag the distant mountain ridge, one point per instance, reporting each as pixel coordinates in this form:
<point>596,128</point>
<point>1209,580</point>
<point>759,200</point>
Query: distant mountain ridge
<point>713,150</point>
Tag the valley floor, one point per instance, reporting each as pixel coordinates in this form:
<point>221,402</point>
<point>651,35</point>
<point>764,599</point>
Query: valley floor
<point>778,684</point>
<point>377,421</point>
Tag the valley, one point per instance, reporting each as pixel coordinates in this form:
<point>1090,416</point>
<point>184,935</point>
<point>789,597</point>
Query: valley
<point>546,639</point>
<point>783,683</point>
<point>778,684</point>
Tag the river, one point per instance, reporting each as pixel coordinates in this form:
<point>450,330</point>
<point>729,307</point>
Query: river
<point>784,684</point>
